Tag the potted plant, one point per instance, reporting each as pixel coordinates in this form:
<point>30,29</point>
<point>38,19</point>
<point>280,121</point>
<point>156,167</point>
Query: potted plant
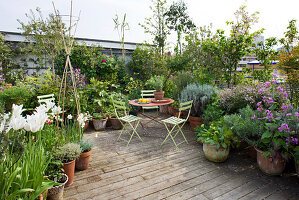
<point>67,154</point>
<point>99,121</point>
<point>115,123</point>
<point>172,108</point>
<point>156,82</point>
<point>216,140</point>
<point>83,161</point>
<point>55,173</point>
<point>201,96</point>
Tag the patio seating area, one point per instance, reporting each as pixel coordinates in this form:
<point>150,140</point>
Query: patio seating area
<point>147,170</point>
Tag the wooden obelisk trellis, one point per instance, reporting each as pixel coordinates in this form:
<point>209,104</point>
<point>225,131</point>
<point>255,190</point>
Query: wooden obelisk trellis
<point>68,44</point>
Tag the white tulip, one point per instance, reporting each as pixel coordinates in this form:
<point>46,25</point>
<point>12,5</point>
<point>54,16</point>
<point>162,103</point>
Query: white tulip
<point>17,110</point>
<point>56,110</point>
<point>17,123</point>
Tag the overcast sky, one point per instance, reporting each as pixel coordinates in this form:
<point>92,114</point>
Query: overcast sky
<point>96,15</point>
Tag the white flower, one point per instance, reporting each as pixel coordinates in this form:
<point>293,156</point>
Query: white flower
<point>17,123</point>
<point>41,109</point>
<point>70,116</point>
<point>81,119</point>
<point>56,110</point>
<point>50,105</point>
<point>17,110</point>
<point>36,121</point>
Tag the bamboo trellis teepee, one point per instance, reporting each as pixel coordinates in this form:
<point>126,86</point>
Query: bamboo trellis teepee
<point>68,41</point>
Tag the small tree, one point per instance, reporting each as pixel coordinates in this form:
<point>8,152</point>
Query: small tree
<point>177,19</point>
<point>121,28</point>
<point>156,25</point>
<point>45,35</point>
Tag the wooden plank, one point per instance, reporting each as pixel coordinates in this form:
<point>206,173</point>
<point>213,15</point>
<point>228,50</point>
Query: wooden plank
<point>261,193</point>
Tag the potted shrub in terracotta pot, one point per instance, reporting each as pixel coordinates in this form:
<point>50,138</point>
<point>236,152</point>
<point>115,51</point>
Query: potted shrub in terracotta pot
<point>216,139</point>
<point>67,154</point>
<point>156,82</point>
<point>83,161</point>
<point>99,121</point>
<point>115,123</point>
<point>201,96</point>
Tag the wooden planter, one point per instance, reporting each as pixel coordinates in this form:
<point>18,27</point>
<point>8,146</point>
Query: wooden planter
<point>83,161</point>
<point>269,165</point>
<point>69,170</point>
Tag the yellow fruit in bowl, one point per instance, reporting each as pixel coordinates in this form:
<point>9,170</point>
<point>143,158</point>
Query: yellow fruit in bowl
<point>140,100</point>
<point>143,100</point>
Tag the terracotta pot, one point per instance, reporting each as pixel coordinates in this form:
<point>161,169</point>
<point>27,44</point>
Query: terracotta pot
<point>170,110</point>
<point>86,125</point>
<point>297,168</point>
<point>69,170</point>
<point>194,122</point>
<point>184,114</point>
<point>115,123</point>
<point>159,95</point>
<point>99,124</point>
<point>56,192</point>
<point>213,154</point>
<point>269,165</point>
<point>163,109</point>
<point>83,161</point>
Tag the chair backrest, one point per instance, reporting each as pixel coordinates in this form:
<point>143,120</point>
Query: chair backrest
<point>147,93</point>
<point>45,98</point>
<point>119,107</point>
<point>185,106</point>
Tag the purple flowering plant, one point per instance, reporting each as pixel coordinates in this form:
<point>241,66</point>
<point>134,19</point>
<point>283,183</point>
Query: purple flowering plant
<point>281,123</point>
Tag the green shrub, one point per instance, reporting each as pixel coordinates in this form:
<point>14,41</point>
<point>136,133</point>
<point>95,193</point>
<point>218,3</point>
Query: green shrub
<point>180,81</point>
<point>68,152</point>
<point>201,96</point>
<point>85,146</point>
<point>213,112</point>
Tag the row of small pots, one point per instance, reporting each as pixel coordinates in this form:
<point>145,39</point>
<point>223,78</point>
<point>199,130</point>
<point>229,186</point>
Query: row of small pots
<point>101,124</point>
<point>81,163</point>
<point>268,165</point>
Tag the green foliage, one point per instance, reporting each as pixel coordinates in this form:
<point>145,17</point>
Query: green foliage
<point>146,62</point>
<point>201,96</point>
<point>213,112</point>
<point>177,19</point>
<point>68,152</point>
<point>121,28</point>
<point>180,81</point>
<point>217,134</point>
<point>85,146</point>
<point>155,82</point>
<point>133,88</point>
<point>19,94</point>
<point>156,25</point>
<point>98,116</point>
<point>22,176</point>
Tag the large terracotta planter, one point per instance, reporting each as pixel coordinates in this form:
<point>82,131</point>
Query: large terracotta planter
<point>83,161</point>
<point>215,155</point>
<point>115,123</point>
<point>194,122</point>
<point>56,192</point>
<point>159,95</point>
<point>269,165</point>
<point>163,109</point>
<point>99,124</point>
<point>171,110</point>
<point>184,114</point>
<point>69,170</point>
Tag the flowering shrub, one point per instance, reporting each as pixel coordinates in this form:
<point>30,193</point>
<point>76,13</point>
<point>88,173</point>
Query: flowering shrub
<point>78,78</point>
<point>155,82</point>
<point>231,100</point>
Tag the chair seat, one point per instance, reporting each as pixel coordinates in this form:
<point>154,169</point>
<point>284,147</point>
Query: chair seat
<point>129,118</point>
<point>173,120</point>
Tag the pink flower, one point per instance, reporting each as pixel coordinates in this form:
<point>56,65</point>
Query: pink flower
<point>289,114</point>
<point>104,60</point>
<point>253,117</point>
<point>286,94</point>
<point>297,114</point>
<point>259,103</point>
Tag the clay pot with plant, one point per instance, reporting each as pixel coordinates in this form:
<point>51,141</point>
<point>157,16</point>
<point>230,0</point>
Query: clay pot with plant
<point>99,121</point>
<point>67,154</point>
<point>201,95</point>
<point>156,82</point>
<point>83,161</point>
<point>216,139</point>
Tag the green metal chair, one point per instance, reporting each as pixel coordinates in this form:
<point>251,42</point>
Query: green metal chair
<point>45,98</point>
<point>177,122</point>
<point>148,94</point>
<point>120,107</point>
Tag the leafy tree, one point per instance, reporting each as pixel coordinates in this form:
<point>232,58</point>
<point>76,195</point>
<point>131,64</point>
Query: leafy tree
<point>46,34</point>
<point>289,60</point>
<point>156,25</point>
<point>265,53</point>
<point>177,19</point>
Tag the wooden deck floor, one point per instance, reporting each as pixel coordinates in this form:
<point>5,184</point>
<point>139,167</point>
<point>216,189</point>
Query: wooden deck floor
<point>146,170</point>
